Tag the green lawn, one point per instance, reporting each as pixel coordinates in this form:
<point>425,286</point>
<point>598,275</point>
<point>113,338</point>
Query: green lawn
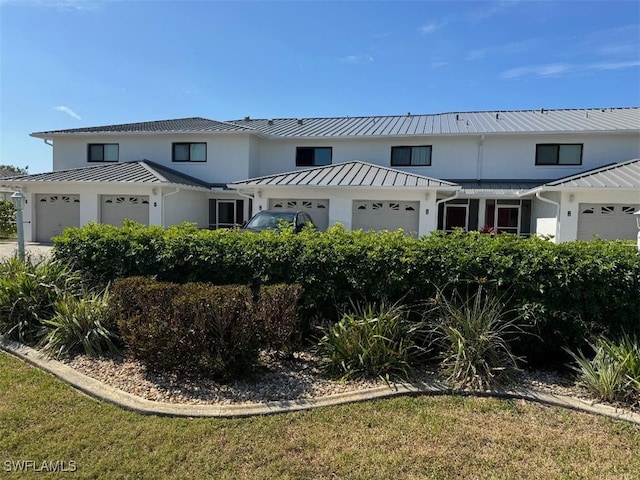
<point>42,419</point>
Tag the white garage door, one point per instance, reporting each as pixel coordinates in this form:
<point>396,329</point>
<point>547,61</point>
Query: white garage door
<point>608,221</point>
<point>55,212</point>
<point>386,215</point>
<point>318,210</point>
<point>115,208</point>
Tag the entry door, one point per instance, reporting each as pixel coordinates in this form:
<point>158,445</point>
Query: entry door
<point>455,217</point>
<point>225,213</point>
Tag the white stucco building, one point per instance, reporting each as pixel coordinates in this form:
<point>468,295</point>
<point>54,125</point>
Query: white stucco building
<point>570,174</point>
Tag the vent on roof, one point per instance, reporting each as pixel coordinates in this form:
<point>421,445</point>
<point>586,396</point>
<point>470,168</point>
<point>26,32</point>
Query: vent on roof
<point>497,116</point>
<point>247,118</point>
<point>408,114</point>
<point>457,117</point>
<point>299,121</point>
<point>542,110</point>
<point>270,122</point>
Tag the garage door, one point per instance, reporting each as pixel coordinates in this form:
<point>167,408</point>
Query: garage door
<point>318,210</point>
<point>55,212</point>
<point>115,208</point>
<point>608,221</point>
<point>386,215</point>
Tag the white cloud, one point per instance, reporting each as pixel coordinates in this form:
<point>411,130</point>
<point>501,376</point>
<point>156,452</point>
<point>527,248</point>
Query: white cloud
<point>564,69</point>
<point>68,5</point>
<point>490,10</point>
<point>429,28</point>
<point>353,59</point>
<point>506,49</point>
<point>68,111</point>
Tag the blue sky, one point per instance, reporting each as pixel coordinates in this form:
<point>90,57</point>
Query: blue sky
<point>77,63</point>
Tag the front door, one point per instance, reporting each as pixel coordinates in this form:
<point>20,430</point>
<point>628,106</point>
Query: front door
<point>225,213</point>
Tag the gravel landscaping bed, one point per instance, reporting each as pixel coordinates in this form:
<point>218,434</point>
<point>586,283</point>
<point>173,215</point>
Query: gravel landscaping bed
<point>277,379</point>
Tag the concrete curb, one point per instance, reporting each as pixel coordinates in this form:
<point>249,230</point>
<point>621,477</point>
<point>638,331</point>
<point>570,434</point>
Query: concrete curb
<point>101,391</point>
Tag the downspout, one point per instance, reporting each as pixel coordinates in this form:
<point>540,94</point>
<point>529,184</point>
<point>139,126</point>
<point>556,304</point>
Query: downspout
<point>442,200</point>
<point>45,141</point>
<point>479,162</point>
<point>164,222</point>
<point>557,205</point>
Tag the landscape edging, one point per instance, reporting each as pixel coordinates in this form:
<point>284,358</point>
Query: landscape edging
<point>101,391</point>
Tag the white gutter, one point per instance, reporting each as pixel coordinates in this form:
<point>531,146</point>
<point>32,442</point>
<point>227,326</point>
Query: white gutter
<point>446,199</point>
<point>557,205</point>
<point>162,203</point>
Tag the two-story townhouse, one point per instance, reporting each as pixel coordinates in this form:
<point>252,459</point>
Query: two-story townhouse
<point>566,173</point>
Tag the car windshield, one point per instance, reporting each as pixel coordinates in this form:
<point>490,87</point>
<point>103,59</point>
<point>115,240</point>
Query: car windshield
<point>269,220</point>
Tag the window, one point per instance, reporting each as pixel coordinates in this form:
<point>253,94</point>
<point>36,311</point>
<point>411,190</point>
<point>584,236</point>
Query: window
<point>411,156</point>
<point>559,154</point>
<point>313,156</point>
<point>189,152</point>
<point>102,152</point>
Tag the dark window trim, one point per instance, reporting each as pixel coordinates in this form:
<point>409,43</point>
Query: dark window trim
<point>89,145</point>
<point>581,145</point>
<point>173,152</point>
<point>411,147</point>
<point>298,149</point>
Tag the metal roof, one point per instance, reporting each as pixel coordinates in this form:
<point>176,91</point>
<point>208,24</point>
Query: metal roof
<point>179,125</point>
<point>625,175</point>
<point>455,123</point>
<point>496,188</point>
<point>348,174</point>
<point>144,171</point>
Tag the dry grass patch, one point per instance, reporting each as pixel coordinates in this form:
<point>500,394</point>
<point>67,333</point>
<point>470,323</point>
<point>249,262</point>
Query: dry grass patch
<point>423,437</point>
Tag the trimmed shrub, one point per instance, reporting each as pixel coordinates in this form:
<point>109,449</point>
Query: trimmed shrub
<point>571,291</point>
<point>372,341</point>
<point>7,219</point>
<point>29,292</point>
<point>277,315</point>
<point>202,327</point>
<point>80,325</point>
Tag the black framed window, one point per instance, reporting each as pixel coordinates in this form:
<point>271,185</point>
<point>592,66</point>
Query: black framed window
<point>559,154</point>
<point>411,156</point>
<point>102,152</point>
<point>313,156</point>
<point>189,152</point>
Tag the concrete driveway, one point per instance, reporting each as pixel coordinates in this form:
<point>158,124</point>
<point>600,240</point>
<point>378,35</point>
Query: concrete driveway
<point>9,248</point>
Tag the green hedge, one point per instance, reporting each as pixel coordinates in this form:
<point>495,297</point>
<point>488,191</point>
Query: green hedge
<point>212,329</point>
<point>571,291</point>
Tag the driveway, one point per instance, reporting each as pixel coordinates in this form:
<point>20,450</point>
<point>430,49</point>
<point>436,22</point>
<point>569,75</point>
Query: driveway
<point>9,248</point>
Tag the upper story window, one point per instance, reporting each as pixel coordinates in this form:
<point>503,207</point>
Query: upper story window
<point>189,152</point>
<point>411,156</point>
<point>102,152</point>
<point>313,156</point>
<point>559,154</point>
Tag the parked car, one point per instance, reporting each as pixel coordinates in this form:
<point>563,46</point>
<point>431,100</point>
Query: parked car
<point>272,219</point>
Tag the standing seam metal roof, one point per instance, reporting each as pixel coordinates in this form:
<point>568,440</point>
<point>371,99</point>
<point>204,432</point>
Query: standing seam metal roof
<point>454,123</point>
<point>179,125</point>
<point>348,174</point>
<point>620,175</point>
<point>143,171</point>
<point>517,121</point>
